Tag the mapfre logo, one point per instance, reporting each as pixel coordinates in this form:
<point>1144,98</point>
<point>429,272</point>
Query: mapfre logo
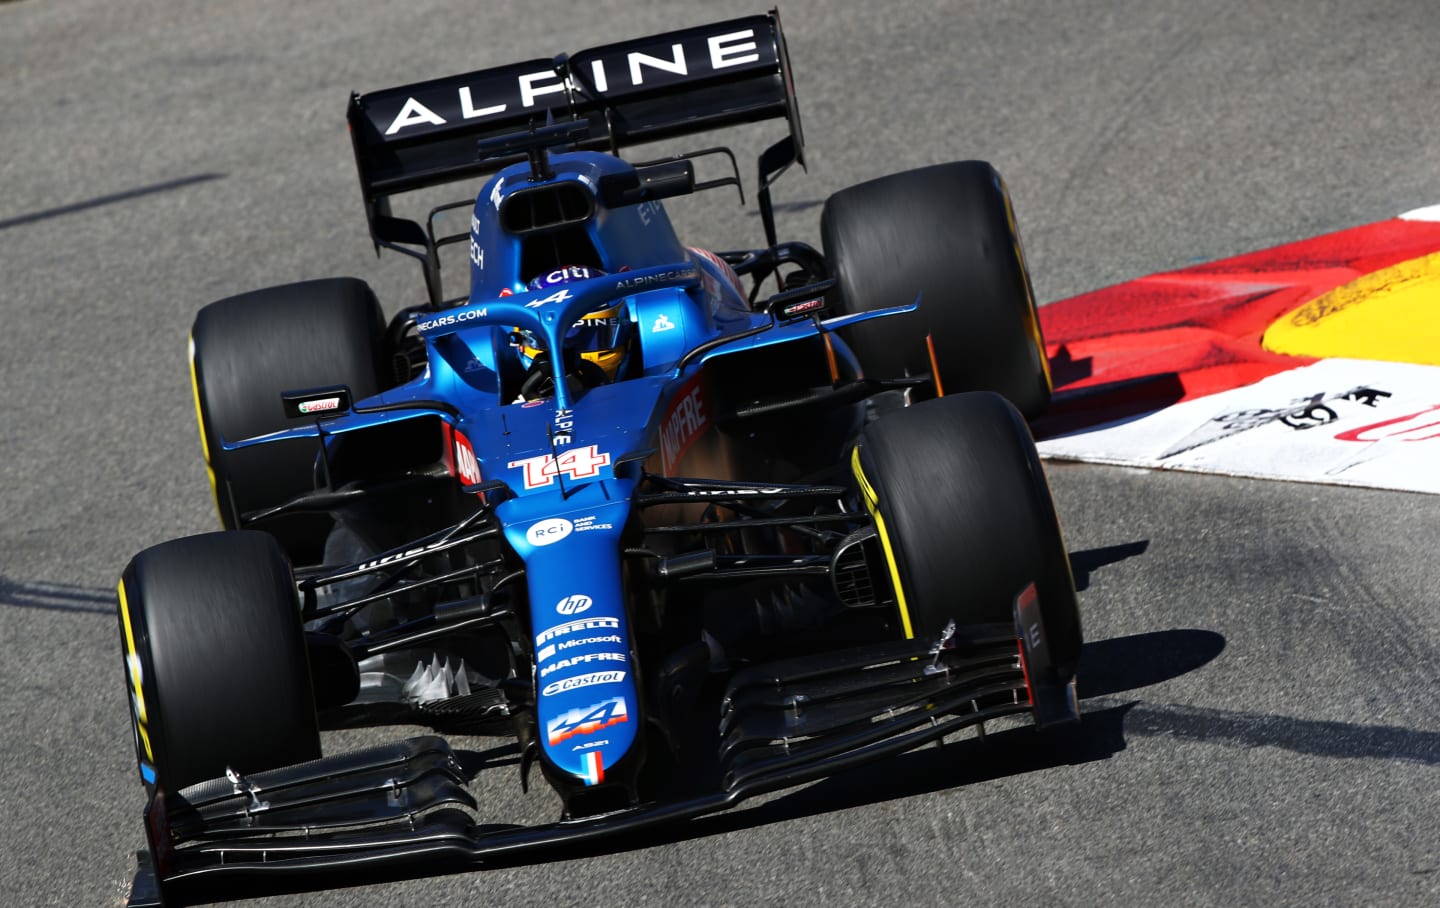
<point>549,531</point>
<point>574,605</point>
<point>685,421</point>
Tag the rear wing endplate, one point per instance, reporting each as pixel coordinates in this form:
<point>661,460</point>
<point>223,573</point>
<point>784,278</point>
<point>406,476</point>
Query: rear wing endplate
<point>637,91</point>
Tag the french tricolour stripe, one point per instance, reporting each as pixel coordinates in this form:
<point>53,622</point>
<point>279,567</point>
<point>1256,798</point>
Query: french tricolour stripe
<point>593,769</point>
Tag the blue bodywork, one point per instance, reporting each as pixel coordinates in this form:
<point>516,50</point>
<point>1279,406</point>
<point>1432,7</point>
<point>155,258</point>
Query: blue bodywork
<point>572,461</point>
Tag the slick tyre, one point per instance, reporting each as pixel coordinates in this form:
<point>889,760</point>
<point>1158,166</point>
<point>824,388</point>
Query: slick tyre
<point>215,659</point>
<point>245,351</point>
<point>966,518</point>
<point>947,234</point>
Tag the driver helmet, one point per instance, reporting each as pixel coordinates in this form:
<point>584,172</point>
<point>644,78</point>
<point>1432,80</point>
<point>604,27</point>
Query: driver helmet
<point>600,336</point>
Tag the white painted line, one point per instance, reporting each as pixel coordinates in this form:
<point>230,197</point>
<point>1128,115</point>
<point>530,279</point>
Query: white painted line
<point>1428,213</point>
<point>1340,421</point>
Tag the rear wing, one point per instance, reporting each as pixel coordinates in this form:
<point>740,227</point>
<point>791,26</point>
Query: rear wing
<point>638,91</point>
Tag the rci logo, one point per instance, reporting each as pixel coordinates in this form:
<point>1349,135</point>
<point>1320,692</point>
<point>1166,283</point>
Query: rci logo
<point>547,531</point>
<point>573,605</point>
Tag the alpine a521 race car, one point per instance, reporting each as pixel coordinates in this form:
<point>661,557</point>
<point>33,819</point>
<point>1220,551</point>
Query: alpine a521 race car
<point>685,526</point>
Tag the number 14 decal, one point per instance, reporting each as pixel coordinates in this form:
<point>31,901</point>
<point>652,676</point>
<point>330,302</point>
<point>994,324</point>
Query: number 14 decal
<point>579,463</point>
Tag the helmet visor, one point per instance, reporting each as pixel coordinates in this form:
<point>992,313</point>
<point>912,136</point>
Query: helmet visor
<point>595,335</point>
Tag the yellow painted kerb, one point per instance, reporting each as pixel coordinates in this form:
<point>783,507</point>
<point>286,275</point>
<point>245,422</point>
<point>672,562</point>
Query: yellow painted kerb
<point>1392,315</point>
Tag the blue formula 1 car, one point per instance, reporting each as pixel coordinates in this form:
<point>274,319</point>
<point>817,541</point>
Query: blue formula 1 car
<point>684,526</point>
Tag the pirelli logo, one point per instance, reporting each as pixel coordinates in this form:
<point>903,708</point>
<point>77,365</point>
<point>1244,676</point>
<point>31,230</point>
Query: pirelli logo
<point>575,627</point>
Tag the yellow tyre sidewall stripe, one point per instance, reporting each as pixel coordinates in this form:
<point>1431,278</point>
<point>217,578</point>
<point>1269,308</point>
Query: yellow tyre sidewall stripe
<point>135,673</point>
<point>872,504</point>
<point>200,421</point>
<point>1031,317</point>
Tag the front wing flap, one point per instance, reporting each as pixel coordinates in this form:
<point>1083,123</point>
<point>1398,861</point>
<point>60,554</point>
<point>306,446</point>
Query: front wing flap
<point>782,724</point>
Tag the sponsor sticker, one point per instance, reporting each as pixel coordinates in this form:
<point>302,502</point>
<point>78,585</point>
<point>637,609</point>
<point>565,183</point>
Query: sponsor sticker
<point>559,296</point>
<point>586,721</point>
<point>802,307</point>
<point>662,323</point>
<point>457,317</point>
<point>617,68</point>
<point>584,659</point>
<point>563,276</point>
<point>645,280</point>
<point>586,524</point>
<point>579,681</point>
<point>548,531</point>
<point>576,627</point>
<point>589,641</point>
<point>319,406</point>
<point>403,556</point>
<point>564,427</point>
<point>467,467</point>
<point>574,605</point>
<point>686,420</point>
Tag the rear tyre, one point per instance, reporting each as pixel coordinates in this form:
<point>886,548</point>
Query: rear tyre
<point>245,351</point>
<point>947,232</point>
<point>966,518</point>
<point>215,658</point>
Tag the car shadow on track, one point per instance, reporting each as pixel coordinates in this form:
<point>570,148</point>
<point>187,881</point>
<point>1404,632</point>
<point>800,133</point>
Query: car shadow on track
<point>111,199</point>
<point>1106,667</point>
<point>1086,561</point>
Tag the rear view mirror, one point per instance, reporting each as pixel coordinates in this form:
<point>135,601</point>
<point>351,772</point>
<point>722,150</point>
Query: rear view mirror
<point>649,182</point>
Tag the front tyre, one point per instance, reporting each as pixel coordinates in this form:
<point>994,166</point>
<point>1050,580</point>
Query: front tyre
<point>215,659</point>
<point>966,518</point>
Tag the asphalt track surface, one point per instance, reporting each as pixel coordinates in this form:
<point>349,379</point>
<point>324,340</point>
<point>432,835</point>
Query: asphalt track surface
<point>1260,686</point>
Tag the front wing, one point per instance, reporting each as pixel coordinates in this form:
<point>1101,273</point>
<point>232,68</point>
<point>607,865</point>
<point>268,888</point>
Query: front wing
<point>403,807</point>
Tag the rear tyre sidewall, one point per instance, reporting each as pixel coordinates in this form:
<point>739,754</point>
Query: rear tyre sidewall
<point>215,651</point>
<point>968,517</point>
<point>246,351</point>
<point>946,233</point>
